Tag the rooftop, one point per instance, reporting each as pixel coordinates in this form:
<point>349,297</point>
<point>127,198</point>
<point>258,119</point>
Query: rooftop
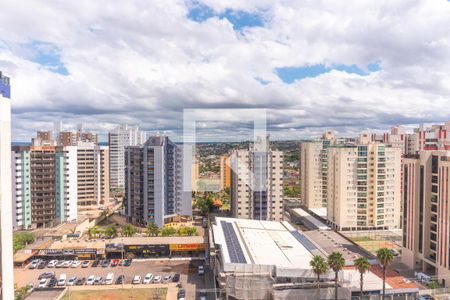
<point>159,240</point>
<point>262,243</point>
<point>310,221</point>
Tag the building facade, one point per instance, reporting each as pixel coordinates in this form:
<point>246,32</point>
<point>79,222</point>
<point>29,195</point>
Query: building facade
<point>364,187</point>
<point>93,174</point>
<point>257,183</point>
<point>6,244</point>
<point>118,139</point>
<point>313,171</point>
<point>426,214</point>
<point>225,172</point>
<point>154,182</point>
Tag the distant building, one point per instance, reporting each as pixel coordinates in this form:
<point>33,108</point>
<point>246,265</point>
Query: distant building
<point>313,171</point>
<point>93,174</point>
<point>257,182</point>
<point>154,182</point>
<point>363,187</point>
<point>6,245</point>
<point>118,139</point>
<point>225,172</point>
<point>426,211</point>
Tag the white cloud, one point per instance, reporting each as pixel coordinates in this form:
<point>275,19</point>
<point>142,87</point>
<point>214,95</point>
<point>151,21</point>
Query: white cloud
<point>143,62</point>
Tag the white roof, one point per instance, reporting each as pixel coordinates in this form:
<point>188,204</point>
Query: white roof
<point>320,211</point>
<point>304,214</point>
<point>264,243</point>
<point>372,282</point>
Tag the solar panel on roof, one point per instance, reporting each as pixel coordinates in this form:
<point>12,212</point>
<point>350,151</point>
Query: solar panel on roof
<point>234,247</point>
<point>304,241</point>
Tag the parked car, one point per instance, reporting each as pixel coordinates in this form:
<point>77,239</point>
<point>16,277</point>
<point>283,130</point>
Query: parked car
<point>201,270</point>
<point>46,275</point>
<point>90,280</point>
<point>75,264</point>
<point>395,252</point>
<point>157,279</point>
<point>85,264</point>
<point>41,265</point>
<point>166,278</point>
<point>115,262</point>
<point>137,279</point>
<point>109,278</point>
<point>67,264</point>
<point>72,281</point>
<point>34,264</point>
<point>426,297</point>
<point>148,278</point>
<point>127,262</point>
<point>181,294</point>
<point>202,295</point>
<point>59,264</point>
<point>176,277</point>
<point>52,282</point>
<point>42,283</point>
<point>80,281</point>
<point>120,279</point>
<point>95,263</point>
<point>105,263</point>
<point>52,263</point>
<point>62,279</point>
<point>98,280</point>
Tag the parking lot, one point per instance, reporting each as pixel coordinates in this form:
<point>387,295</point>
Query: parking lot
<point>189,279</point>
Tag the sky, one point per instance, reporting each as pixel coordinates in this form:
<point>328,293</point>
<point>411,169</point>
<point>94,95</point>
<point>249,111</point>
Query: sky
<point>313,65</point>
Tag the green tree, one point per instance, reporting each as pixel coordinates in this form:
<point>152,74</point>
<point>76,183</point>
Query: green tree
<point>111,231</point>
<point>191,231</point>
<point>319,266</point>
<point>336,263</point>
<point>204,204</point>
<point>21,293</point>
<point>152,229</point>
<point>168,231</point>
<point>433,285</point>
<point>93,231</point>
<point>129,230</point>
<point>105,213</point>
<point>362,265</point>
<point>385,257</point>
<point>21,240</point>
<point>182,231</point>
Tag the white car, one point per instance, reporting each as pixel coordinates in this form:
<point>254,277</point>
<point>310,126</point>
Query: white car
<point>109,278</point>
<point>52,263</point>
<point>67,264</point>
<point>72,281</point>
<point>166,278</point>
<point>42,283</point>
<point>137,279</point>
<point>34,264</point>
<point>201,270</point>
<point>157,279</point>
<point>75,264</point>
<point>148,278</point>
<point>90,280</point>
<point>62,279</point>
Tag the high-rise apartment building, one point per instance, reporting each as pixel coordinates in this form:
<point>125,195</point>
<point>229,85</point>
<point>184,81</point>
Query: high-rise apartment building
<point>426,213</point>
<point>119,138</point>
<point>225,172</point>
<point>93,174</point>
<point>364,186</point>
<point>257,182</point>
<point>313,171</point>
<point>195,176</point>
<point>154,182</point>
<point>6,245</point>
<point>21,182</point>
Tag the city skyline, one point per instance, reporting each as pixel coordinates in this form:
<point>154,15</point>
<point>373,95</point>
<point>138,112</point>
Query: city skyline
<point>314,66</point>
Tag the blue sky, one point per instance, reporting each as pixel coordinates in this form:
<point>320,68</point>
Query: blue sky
<point>200,12</point>
<point>48,56</point>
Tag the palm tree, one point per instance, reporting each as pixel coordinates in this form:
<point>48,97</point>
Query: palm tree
<point>105,213</point>
<point>362,265</point>
<point>152,229</point>
<point>93,231</point>
<point>336,263</point>
<point>111,231</point>
<point>319,266</point>
<point>129,230</point>
<point>385,257</point>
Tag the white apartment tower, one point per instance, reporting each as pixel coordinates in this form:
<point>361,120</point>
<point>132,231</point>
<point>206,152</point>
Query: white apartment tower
<point>313,171</point>
<point>119,138</point>
<point>6,246</point>
<point>364,186</point>
<point>257,182</point>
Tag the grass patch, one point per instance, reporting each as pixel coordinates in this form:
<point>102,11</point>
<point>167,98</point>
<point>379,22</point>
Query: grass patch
<point>118,294</point>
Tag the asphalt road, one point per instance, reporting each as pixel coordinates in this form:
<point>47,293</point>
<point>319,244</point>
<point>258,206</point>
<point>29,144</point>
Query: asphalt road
<point>190,280</point>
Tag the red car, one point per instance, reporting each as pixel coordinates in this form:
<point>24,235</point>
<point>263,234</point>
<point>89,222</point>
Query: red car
<point>115,262</point>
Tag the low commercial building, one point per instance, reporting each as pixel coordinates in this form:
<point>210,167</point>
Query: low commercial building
<point>255,259</point>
